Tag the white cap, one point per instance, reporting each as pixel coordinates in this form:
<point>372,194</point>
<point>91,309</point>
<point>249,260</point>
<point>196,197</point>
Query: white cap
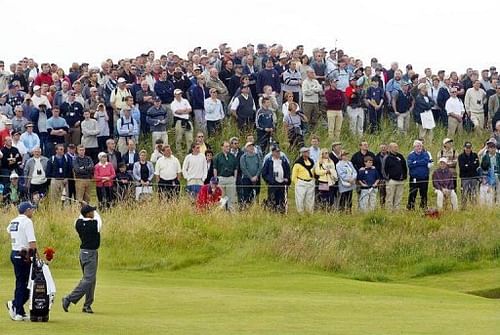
<point>121,80</point>
<point>443,160</point>
<point>14,175</point>
<point>36,88</point>
<point>177,91</point>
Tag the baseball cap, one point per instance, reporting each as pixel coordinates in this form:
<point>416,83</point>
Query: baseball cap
<point>177,91</point>
<point>467,145</point>
<point>214,180</point>
<point>24,206</point>
<point>121,80</point>
<point>36,88</point>
<point>447,140</point>
<point>87,209</point>
<point>443,160</point>
<point>304,149</point>
<point>13,175</point>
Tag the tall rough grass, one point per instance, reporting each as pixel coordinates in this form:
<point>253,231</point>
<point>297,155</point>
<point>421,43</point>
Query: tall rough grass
<point>379,246</point>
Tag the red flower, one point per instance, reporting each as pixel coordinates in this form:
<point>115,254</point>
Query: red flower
<point>49,253</point>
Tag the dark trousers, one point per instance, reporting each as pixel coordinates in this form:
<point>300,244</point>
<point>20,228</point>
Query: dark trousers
<point>40,189</point>
<point>418,186</point>
<point>71,189</point>
<point>101,142</point>
<point>345,202</point>
<point>326,200</point>
<point>276,197</point>
<point>43,143</point>
<point>22,273</point>
<point>374,117</point>
<point>144,124</point>
<point>249,190</point>
<point>263,138</point>
<point>382,192</point>
<point>246,123</point>
<point>169,188</point>
<point>213,127</point>
<point>86,286</point>
<point>104,196</point>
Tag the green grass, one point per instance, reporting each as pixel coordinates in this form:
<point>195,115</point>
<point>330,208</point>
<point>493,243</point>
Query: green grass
<point>263,298</point>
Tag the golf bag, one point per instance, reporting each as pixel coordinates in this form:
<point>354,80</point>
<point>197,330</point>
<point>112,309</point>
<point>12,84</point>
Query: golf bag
<point>40,295</point>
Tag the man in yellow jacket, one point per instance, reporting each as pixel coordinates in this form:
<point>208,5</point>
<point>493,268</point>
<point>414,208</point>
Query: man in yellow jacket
<point>303,179</point>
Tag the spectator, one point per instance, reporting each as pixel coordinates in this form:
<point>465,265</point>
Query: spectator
<point>114,156</point>
<point>443,182</point>
<point>423,104</point>
<point>266,124</point>
<point>314,149</point>
<point>168,173</point>
<point>310,97</point>
<point>19,122</point>
<point>118,96</point>
<point>358,159</point>
<point>12,192</point>
<point>128,129</point>
<point>183,126</point>
<point>157,119</point>
<point>210,194</point>
<point>209,155</point>
<point>347,181</point>
<point>226,169</point>
<point>292,81</point>
<point>455,109</point>
<point>251,168</point>
<point>90,130</point>
<point>104,175</point>
<point>394,170</point>
<point>450,154</point>
<point>11,160</point>
<point>468,163</point>
<point>276,173</point>
<point>303,179</point>
<point>35,174</point>
<point>143,173</point>
<point>164,89</point>
<point>294,126</point>
<point>145,99</point>
<point>243,109</point>
<point>213,81</point>
<point>374,101</point>
<point>157,152</point>
<point>475,98</point>
<point>103,125</point>
<point>269,94</point>
<point>214,112</point>
<point>268,76</point>
<point>59,169</point>
<point>418,165</point>
<point>335,102</point>
<point>490,158</point>
<point>327,177</point>
<point>355,110</point>
<point>194,170</point>
<point>402,105</point>
<point>83,171</point>
<point>72,112</point>
<point>368,179</point>
<point>123,183</point>
<point>198,93</point>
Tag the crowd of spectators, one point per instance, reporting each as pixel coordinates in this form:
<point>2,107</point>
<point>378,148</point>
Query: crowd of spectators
<point>64,133</point>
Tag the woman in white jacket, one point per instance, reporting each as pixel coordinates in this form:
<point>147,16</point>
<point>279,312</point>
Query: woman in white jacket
<point>347,181</point>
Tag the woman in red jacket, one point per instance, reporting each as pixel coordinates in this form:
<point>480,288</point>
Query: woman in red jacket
<point>209,195</point>
<point>104,174</point>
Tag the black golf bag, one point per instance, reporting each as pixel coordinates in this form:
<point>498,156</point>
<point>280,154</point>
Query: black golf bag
<point>40,301</point>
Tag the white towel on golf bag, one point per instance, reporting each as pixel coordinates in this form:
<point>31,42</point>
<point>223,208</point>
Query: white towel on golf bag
<point>51,286</point>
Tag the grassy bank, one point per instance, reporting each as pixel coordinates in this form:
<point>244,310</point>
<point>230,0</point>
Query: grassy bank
<point>375,247</point>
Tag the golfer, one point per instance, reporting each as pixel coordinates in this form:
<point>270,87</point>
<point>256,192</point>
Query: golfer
<point>23,240</point>
<point>88,226</point>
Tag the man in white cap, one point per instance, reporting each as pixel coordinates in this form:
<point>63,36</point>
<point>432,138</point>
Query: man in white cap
<point>303,179</point>
<point>39,99</point>
<point>181,110</point>
<point>449,153</point>
<point>22,236</point>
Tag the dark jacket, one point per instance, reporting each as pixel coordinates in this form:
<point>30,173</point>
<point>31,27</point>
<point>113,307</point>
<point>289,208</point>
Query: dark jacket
<point>268,173</point>
<point>358,159</point>
<point>394,167</point>
<point>197,96</point>
<point>52,168</point>
<point>421,106</point>
<point>165,90</point>
<point>468,165</point>
<point>268,77</point>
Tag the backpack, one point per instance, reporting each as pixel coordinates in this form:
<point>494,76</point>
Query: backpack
<point>467,123</point>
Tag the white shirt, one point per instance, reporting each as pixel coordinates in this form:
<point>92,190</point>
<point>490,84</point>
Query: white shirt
<point>213,109</point>
<point>38,179</point>
<point>167,168</point>
<point>194,169</point>
<point>236,102</point>
<point>183,104</point>
<point>21,232</point>
<point>279,174</point>
<point>454,106</point>
<point>42,99</point>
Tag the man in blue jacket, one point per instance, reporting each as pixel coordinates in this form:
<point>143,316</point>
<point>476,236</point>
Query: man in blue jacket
<point>418,166</point>
<point>268,76</point>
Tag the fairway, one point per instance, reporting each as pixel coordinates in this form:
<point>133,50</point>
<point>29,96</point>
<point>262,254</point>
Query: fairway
<point>267,299</point>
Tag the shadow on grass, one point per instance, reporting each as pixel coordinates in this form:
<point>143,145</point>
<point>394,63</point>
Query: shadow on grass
<point>493,293</point>
<point>434,268</point>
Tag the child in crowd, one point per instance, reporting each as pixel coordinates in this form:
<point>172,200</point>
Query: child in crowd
<point>123,183</point>
<point>368,178</point>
